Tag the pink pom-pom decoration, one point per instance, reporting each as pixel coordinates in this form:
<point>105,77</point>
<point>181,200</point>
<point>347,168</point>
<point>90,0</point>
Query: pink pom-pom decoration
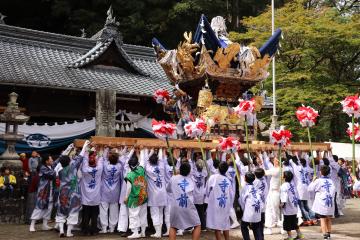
<point>229,144</point>
<point>356,131</point>
<point>245,107</point>
<point>161,96</point>
<point>306,116</point>
<point>351,105</point>
<point>195,129</point>
<point>281,137</point>
<point>163,129</point>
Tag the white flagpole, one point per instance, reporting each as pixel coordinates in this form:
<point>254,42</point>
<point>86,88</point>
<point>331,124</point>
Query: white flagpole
<point>273,63</point>
<point>274,116</point>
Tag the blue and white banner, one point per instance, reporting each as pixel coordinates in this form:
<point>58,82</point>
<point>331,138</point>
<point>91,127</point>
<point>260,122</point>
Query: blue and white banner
<point>46,137</point>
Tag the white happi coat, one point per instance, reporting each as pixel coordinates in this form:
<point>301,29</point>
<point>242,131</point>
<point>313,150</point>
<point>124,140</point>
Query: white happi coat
<point>199,179</point>
<point>155,177</point>
<point>324,190</point>
<point>111,182</point>
<point>219,193</point>
<point>90,184</point>
<point>263,189</point>
<point>289,196</point>
<point>303,178</point>
<point>125,170</point>
<point>183,213</point>
<point>251,204</point>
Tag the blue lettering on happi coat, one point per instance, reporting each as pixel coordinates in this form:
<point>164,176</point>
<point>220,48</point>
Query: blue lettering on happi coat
<point>222,198</point>
<point>92,182</point>
<point>158,181</point>
<point>198,180</point>
<point>183,200</point>
<point>183,197</point>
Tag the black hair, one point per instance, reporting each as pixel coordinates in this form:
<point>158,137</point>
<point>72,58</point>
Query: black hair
<point>295,160</point>
<point>288,176</point>
<point>133,162</point>
<point>303,162</point>
<point>259,173</point>
<point>183,153</point>
<point>64,160</point>
<point>326,161</point>
<point>223,167</point>
<point>286,162</point>
<point>153,159</point>
<point>113,157</point>
<point>245,161</point>
<point>185,169</point>
<point>216,163</point>
<point>336,158</point>
<point>249,177</point>
<point>325,170</point>
<point>44,158</point>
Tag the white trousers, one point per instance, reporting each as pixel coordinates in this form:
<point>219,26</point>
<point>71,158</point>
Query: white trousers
<point>138,217</point>
<point>167,216</point>
<point>38,214</point>
<point>272,210</point>
<point>123,218</point>
<point>109,214</point>
<point>157,215</point>
<point>72,219</point>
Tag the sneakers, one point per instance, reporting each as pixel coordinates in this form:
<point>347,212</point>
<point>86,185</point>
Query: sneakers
<point>134,235</point>
<point>180,232</point>
<point>166,234</point>
<point>157,233</point>
<point>300,236</point>
<point>307,223</point>
<point>103,231</point>
<point>314,222</point>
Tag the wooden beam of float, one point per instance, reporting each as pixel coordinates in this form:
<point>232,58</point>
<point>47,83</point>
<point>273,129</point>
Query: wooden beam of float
<point>156,143</point>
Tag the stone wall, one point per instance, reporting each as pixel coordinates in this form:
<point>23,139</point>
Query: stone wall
<point>12,209</point>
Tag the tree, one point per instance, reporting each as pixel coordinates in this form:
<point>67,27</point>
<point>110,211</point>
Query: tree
<point>318,65</point>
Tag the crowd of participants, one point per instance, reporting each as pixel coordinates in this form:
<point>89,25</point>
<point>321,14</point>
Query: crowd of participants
<point>106,190</point>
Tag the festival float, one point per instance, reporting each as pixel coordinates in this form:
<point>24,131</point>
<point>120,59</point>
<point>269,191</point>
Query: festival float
<point>211,76</point>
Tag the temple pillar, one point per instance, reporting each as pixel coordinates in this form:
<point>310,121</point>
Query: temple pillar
<point>105,112</point>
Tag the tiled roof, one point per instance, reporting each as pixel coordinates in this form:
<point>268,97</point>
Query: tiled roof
<point>41,59</point>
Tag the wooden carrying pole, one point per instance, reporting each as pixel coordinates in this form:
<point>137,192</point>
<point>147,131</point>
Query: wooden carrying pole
<point>157,143</point>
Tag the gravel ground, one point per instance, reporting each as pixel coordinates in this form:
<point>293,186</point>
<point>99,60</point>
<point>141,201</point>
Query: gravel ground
<point>346,227</point>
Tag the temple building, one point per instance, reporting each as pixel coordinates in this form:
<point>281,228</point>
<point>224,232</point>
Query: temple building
<point>71,86</point>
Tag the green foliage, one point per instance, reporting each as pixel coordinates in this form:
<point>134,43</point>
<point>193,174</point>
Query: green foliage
<point>140,20</point>
<point>318,65</point>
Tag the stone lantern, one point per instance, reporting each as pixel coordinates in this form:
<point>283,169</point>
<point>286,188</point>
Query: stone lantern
<point>12,117</point>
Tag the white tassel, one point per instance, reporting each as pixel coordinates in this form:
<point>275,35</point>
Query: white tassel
<point>135,125</point>
<point>122,117</point>
<point>117,127</point>
<point>127,129</point>
<point>122,129</point>
<point>131,127</point>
